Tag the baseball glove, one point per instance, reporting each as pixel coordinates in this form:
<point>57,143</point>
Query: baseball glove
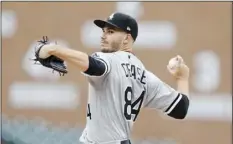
<point>52,61</point>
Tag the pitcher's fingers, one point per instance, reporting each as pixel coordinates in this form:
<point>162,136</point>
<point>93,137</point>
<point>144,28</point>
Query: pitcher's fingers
<point>180,59</point>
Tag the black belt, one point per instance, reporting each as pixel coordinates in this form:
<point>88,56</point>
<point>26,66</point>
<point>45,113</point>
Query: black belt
<point>126,142</point>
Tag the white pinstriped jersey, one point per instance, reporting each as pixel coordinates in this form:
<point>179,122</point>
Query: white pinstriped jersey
<point>116,97</point>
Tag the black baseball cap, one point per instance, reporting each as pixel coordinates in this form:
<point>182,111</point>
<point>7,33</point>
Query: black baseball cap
<point>121,21</point>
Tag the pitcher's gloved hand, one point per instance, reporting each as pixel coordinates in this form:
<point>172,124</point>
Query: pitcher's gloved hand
<point>49,61</point>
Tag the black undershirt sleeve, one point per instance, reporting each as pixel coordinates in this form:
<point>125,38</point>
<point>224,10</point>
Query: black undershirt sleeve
<point>97,67</point>
<point>181,109</point>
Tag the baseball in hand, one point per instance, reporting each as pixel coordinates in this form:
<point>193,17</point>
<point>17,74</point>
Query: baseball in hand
<point>177,67</point>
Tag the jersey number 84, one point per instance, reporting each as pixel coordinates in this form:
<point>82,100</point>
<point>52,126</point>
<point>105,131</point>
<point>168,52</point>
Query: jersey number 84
<point>129,105</point>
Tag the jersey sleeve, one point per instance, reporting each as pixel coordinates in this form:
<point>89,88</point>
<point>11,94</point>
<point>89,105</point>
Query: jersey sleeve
<point>102,58</point>
<point>160,95</point>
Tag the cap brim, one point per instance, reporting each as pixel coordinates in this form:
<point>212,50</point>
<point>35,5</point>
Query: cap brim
<point>102,23</point>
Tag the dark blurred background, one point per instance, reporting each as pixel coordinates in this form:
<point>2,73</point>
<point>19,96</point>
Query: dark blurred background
<point>39,107</point>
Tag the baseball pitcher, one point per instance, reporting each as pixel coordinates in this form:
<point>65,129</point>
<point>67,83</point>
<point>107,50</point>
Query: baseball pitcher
<point>119,83</point>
